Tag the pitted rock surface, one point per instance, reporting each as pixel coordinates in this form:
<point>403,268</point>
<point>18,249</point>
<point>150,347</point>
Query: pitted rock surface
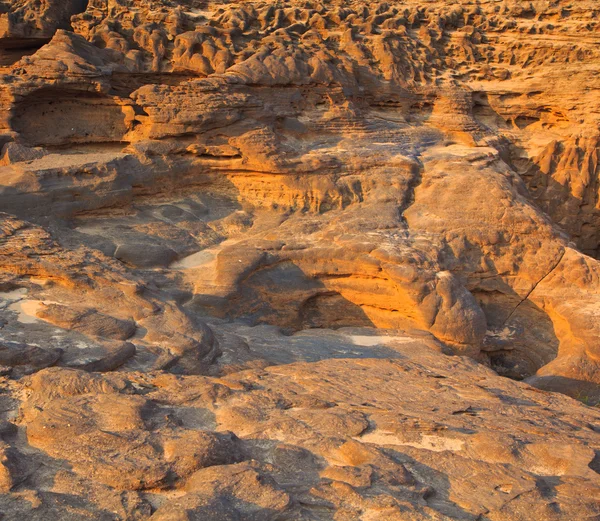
<point>299,260</point>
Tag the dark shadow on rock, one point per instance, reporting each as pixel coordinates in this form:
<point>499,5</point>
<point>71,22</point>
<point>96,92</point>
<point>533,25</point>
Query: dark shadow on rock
<point>520,336</point>
<point>586,392</point>
<point>438,493</point>
<point>282,294</point>
<point>74,117</point>
<point>579,217</point>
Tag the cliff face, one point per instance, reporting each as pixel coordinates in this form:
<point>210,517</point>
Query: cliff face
<point>210,202</point>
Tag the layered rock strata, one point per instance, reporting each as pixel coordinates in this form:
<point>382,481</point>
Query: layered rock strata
<point>247,247</point>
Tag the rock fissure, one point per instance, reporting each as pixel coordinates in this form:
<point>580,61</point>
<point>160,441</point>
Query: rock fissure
<point>530,292</point>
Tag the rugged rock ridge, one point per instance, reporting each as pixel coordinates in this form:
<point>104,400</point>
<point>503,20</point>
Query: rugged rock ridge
<point>362,114</point>
<point>198,189</point>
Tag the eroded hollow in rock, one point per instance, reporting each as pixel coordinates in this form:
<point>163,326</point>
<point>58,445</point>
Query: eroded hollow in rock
<point>81,6</point>
<point>13,49</point>
<point>74,117</point>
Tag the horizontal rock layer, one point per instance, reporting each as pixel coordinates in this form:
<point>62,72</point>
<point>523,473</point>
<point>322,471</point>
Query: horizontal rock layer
<point>303,242</point>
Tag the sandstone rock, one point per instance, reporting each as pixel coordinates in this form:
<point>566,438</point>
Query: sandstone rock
<point>14,153</point>
<point>27,358</point>
<point>9,471</point>
<point>89,322</point>
<point>198,449</point>
<point>254,496</point>
<point>145,255</point>
<point>106,356</point>
<point>108,436</point>
<point>308,245</point>
<point>26,19</point>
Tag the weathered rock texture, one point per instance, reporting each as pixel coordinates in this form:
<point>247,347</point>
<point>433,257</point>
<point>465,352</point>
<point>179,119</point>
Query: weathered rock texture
<point>274,260</point>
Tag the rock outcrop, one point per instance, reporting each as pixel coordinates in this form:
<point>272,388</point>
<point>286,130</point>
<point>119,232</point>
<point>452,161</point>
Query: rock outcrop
<point>294,260</point>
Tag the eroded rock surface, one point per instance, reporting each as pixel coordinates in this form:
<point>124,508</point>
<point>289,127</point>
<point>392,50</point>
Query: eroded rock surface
<point>277,260</point>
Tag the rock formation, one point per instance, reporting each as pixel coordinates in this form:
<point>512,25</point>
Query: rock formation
<point>299,260</point>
